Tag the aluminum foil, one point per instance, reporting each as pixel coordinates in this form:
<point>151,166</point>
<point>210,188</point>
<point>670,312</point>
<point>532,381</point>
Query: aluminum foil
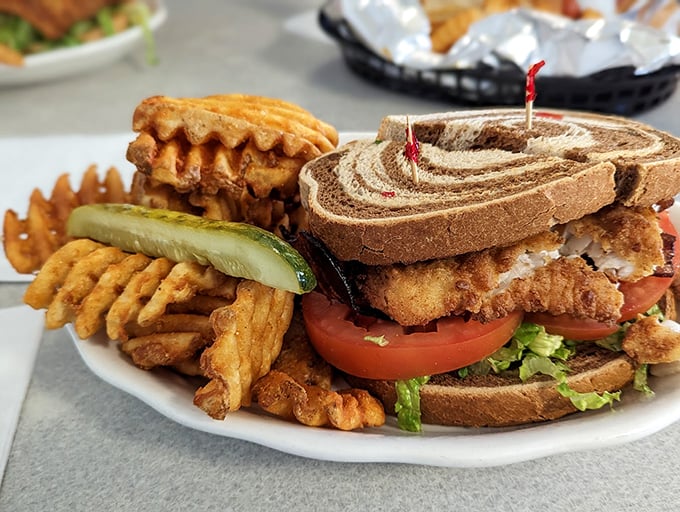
<point>399,31</point>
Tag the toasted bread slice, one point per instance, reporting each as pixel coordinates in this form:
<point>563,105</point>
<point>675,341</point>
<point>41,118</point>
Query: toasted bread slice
<point>363,204</point>
<point>499,400</point>
<point>483,180</point>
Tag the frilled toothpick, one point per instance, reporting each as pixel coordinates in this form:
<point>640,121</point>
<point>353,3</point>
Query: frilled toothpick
<point>531,91</point>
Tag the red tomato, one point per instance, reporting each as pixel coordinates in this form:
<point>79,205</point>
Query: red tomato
<point>638,297</point>
<point>455,343</point>
<point>572,328</point>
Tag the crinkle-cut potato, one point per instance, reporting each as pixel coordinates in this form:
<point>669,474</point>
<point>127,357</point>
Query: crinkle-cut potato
<point>93,308</point>
<point>299,388</point>
<point>81,280</point>
<point>94,286</point>
<point>29,242</point>
<point>347,409</point>
<point>162,348</point>
<point>211,167</point>
<point>233,119</point>
<point>134,296</point>
<point>229,157</point>
<point>299,360</point>
<point>272,214</point>
<point>199,322</point>
<point>248,337</point>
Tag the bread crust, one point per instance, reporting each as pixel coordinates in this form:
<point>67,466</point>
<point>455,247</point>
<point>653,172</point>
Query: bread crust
<point>492,401</point>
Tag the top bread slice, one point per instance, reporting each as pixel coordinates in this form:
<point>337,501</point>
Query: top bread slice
<point>482,180</point>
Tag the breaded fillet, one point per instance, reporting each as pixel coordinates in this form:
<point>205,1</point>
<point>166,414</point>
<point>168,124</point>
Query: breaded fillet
<point>529,275</point>
<point>622,242</point>
<point>487,285</point>
<point>53,18</point>
<point>650,341</point>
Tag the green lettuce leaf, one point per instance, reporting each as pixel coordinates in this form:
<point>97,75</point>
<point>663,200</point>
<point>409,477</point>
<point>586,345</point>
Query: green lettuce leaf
<point>533,364</point>
<point>640,380</point>
<point>590,400</point>
<point>408,403</point>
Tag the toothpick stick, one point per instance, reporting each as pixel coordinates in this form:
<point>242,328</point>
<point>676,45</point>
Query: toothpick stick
<point>412,151</point>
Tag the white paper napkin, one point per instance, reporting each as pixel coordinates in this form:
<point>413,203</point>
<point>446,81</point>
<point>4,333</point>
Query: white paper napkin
<point>22,329</point>
<point>37,162</point>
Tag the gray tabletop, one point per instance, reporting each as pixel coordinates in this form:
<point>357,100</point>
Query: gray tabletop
<point>82,444</point>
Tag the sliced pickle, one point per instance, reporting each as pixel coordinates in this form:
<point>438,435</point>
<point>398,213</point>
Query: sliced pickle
<point>237,249</point>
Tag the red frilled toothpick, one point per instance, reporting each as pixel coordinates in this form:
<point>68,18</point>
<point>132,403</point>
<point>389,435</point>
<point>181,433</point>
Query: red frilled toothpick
<point>412,150</point>
<point>531,91</point>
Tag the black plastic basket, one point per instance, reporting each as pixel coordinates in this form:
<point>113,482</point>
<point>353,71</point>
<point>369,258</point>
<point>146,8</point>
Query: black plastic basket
<point>614,91</point>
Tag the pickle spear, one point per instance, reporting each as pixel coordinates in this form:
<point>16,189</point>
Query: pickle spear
<point>237,249</point>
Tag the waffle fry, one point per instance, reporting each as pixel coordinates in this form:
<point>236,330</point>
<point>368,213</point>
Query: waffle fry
<point>248,336</point>
<point>41,292</point>
<point>181,283</point>
<point>299,360</point>
<point>350,409</point>
<point>81,280</point>
<point>211,167</point>
<point>93,308</point>
<point>299,388</point>
<point>29,242</point>
<point>170,340</point>
<point>233,119</point>
<point>268,213</point>
<point>230,157</point>
<point>94,285</point>
<point>137,292</point>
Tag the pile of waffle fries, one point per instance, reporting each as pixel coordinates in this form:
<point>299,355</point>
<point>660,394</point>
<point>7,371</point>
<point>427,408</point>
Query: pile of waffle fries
<point>229,157</point>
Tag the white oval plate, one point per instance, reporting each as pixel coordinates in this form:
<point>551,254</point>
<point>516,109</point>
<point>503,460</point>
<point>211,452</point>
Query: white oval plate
<point>172,395</point>
<point>70,61</point>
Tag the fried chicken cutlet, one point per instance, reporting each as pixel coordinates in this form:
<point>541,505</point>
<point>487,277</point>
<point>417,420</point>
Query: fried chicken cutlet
<point>549,272</point>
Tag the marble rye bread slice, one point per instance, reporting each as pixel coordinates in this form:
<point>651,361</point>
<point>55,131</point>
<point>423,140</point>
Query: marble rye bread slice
<point>483,181</point>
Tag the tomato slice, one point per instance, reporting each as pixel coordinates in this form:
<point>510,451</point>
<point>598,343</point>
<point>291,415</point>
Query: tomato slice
<point>455,343</point>
<point>638,297</point>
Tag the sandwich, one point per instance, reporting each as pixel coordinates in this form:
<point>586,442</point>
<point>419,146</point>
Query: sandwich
<point>29,27</point>
<point>496,275</point>
<point>53,19</point>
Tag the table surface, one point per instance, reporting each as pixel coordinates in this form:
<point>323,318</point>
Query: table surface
<point>84,445</point>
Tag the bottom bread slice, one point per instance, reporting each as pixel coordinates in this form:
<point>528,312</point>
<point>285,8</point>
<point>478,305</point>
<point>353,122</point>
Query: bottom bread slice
<point>503,400</point>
